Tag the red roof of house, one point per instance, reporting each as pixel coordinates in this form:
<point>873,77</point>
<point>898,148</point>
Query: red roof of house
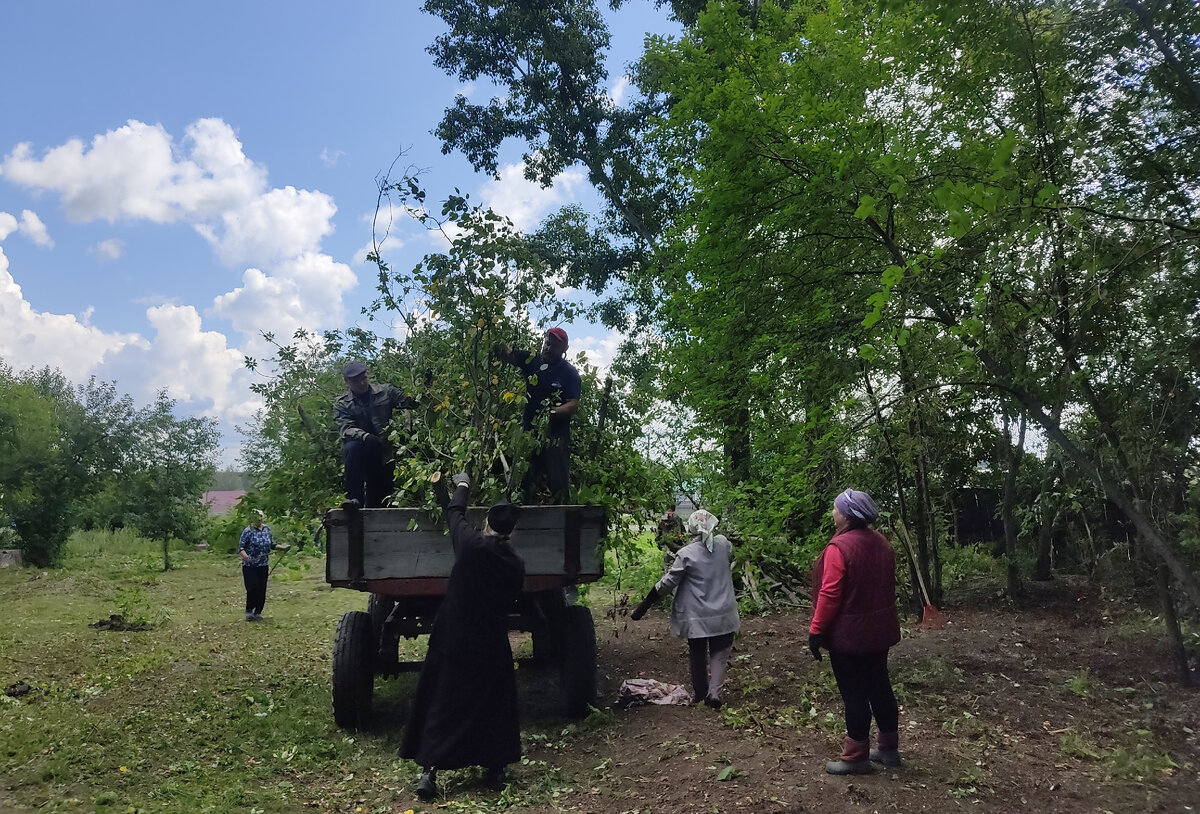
<point>222,501</point>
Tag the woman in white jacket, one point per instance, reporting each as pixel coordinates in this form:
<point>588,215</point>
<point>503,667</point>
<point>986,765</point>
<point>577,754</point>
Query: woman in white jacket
<point>705,609</point>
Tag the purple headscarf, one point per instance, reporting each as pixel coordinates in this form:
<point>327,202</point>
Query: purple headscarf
<point>857,506</point>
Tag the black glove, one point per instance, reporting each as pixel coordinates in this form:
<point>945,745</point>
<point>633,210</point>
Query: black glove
<point>645,604</point>
<point>370,440</point>
<point>440,494</point>
<point>815,642</point>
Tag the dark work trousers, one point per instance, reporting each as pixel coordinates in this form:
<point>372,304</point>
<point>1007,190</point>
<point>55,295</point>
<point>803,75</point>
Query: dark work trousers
<point>255,577</point>
<point>866,688</point>
<point>708,658</point>
<point>549,466</point>
<point>368,472</point>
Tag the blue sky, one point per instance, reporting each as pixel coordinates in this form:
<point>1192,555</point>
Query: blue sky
<point>176,177</point>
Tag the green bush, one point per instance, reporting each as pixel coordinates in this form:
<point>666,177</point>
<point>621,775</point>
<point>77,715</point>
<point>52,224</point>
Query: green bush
<point>970,563</point>
<point>633,569</point>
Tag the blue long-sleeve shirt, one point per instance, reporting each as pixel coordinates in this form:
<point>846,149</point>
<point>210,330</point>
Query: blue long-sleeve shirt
<point>258,544</point>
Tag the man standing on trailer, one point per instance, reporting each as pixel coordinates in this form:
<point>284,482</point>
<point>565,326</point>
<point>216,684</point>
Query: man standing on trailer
<point>552,386</point>
<point>464,712</point>
<point>362,414</point>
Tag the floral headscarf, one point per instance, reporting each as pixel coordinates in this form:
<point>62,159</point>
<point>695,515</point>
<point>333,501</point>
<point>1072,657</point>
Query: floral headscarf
<point>702,523</point>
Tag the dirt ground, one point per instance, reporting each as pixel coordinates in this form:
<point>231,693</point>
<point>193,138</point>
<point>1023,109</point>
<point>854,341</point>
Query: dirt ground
<point>1065,708</point>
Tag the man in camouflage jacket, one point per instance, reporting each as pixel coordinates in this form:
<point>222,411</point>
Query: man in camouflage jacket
<point>362,414</point>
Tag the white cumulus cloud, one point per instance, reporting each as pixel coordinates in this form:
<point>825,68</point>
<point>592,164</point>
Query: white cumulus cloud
<point>110,249</point>
<point>141,172</point>
<point>526,202</point>
<point>31,338</point>
<point>194,365</point>
<point>599,350</point>
<point>137,172</point>
<point>620,90</point>
<point>33,228</point>
<point>304,291</point>
<point>277,224</point>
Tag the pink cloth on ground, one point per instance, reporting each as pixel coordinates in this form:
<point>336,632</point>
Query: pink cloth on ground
<point>636,691</point>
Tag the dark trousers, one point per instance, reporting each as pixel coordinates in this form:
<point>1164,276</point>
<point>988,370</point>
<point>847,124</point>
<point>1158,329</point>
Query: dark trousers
<point>866,688</point>
<point>255,577</point>
<point>708,658</point>
<point>549,467</point>
<point>368,472</point>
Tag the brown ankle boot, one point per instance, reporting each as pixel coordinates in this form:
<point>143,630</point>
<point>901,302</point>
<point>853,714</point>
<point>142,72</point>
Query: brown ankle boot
<point>855,759</point>
<point>887,749</point>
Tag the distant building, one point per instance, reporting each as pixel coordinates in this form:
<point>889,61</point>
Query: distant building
<point>221,501</point>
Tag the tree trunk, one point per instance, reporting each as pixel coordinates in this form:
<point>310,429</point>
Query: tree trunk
<point>1171,622</point>
<point>737,444</point>
<point>1145,18</point>
<point>1042,571</point>
<point>1007,515</point>
<point>901,503</point>
<point>1146,529</point>
<point>926,543</point>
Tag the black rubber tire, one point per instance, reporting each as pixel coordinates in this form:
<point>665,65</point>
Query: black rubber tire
<point>576,648</point>
<point>379,607</point>
<point>353,670</point>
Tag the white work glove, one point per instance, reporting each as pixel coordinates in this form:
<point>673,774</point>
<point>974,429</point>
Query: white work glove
<point>461,479</point>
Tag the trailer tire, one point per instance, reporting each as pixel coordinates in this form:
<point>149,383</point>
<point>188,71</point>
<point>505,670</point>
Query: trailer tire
<point>353,670</point>
<point>576,648</point>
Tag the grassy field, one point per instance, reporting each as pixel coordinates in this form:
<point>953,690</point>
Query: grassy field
<point>203,711</point>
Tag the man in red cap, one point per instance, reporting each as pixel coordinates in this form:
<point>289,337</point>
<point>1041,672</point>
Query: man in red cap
<point>552,388</point>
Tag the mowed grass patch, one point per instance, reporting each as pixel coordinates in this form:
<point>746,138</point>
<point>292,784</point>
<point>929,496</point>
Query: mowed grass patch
<point>202,712</point>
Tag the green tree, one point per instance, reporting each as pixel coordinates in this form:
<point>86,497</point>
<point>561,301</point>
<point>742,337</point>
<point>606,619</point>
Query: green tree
<point>893,230</point>
<point>33,470</point>
<point>934,172</point>
<point>452,309</point>
<point>169,467</point>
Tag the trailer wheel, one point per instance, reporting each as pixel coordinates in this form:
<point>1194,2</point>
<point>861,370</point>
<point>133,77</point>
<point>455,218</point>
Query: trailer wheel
<point>353,670</point>
<point>576,648</point>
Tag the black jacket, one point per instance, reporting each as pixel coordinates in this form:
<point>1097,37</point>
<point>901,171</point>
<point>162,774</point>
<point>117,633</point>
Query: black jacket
<point>464,712</point>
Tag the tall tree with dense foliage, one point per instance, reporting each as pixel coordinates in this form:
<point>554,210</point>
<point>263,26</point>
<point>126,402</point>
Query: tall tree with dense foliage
<point>893,224</point>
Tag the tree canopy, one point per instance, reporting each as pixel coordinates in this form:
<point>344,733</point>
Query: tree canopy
<point>899,239</point>
<point>87,457</point>
<point>946,252</point>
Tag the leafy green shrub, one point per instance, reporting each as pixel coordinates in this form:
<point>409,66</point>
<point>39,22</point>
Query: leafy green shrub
<point>1080,683</point>
<point>633,569</point>
<point>971,563</point>
<point>136,609</point>
<point>93,543</point>
<point>1139,758</point>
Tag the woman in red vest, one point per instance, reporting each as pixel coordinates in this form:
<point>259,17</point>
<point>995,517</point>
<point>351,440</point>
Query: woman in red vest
<point>854,618</point>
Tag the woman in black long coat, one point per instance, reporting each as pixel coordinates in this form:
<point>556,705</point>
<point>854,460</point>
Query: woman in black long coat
<point>464,712</point>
